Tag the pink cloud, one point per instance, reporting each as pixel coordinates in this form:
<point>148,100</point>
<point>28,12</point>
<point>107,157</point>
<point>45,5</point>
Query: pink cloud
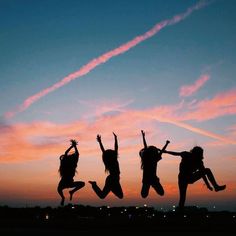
<point>221,105</point>
<point>188,90</point>
<point>104,58</point>
<point>37,140</point>
<point>99,108</point>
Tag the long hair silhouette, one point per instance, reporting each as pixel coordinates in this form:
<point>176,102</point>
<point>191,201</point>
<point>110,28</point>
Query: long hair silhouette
<point>110,160</point>
<point>68,165</point>
<point>192,169</point>
<point>150,156</point>
<point>67,171</point>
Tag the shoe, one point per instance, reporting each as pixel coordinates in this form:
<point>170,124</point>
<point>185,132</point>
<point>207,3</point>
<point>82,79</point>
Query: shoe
<point>220,188</point>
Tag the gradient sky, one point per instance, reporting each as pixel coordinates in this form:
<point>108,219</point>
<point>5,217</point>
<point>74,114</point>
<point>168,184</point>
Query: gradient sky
<point>75,69</point>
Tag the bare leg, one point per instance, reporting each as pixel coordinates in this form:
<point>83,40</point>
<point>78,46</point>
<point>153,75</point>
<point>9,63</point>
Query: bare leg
<point>158,187</point>
<point>117,190</point>
<point>145,190</point>
<point>182,192</point>
<point>60,191</point>
<point>211,178</point>
<point>207,172</point>
<point>78,185</point>
<point>100,193</point>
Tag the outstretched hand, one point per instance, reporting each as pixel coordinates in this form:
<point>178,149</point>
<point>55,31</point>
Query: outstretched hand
<point>99,138</point>
<point>73,142</point>
<point>143,133</point>
<point>114,135</point>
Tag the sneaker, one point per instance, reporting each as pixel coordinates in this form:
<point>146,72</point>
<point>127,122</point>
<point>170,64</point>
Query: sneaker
<point>220,187</point>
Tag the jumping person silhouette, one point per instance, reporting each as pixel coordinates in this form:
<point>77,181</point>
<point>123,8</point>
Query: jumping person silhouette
<point>110,160</point>
<point>67,170</point>
<point>191,169</point>
<point>150,155</point>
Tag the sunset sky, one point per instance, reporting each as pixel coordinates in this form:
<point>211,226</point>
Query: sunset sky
<point>72,69</point>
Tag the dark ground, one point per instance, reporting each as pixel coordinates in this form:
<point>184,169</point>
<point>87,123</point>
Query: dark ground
<point>86,220</point>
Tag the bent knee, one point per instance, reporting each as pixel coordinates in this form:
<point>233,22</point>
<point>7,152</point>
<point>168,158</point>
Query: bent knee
<point>102,197</point>
<point>207,170</point>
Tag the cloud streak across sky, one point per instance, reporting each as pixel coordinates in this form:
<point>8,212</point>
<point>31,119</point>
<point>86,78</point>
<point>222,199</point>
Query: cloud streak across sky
<point>104,58</point>
<point>188,90</point>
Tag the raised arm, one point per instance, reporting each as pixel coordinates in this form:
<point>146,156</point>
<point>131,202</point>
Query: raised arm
<point>74,144</point>
<point>172,153</point>
<point>144,140</point>
<point>116,142</point>
<point>67,151</point>
<point>164,147</point>
<point>99,139</point>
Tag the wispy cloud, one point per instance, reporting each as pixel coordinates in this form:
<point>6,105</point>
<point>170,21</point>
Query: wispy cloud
<point>188,90</point>
<point>37,140</point>
<point>105,57</point>
<point>221,104</point>
<point>99,108</point>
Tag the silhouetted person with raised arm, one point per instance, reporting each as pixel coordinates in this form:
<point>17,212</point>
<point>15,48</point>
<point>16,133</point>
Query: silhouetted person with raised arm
<point>191,169</point>
<point>110,160</point>
<point>150,155</point>
<point>67,170</point>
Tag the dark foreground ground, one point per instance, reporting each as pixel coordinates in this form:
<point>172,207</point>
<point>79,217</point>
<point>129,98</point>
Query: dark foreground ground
<point>87,220</point>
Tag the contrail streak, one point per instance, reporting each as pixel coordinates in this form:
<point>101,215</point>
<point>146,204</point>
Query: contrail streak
<point>104,58</point>
<point>202,132</point>
<point>193,129</point>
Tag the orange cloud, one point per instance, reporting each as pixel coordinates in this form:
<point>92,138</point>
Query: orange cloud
<point>43,139</point>
<point>222,104</point>
<point>188,90</point>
